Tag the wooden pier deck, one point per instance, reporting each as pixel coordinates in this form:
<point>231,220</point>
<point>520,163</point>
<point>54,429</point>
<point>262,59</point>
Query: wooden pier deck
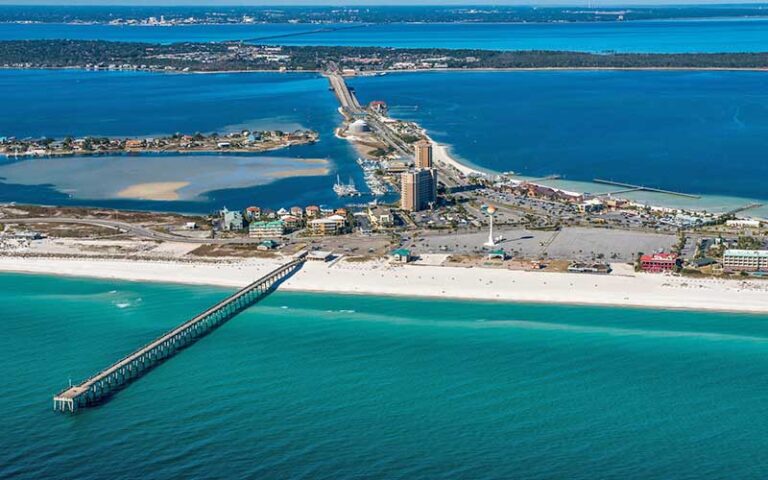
<point>641,188</point>
<point>101,385</point>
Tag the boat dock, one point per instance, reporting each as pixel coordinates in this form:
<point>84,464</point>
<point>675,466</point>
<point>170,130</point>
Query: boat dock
<point>640,188</point>
<point>102,385</point>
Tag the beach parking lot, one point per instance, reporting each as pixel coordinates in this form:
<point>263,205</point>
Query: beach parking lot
<point>567,243</point>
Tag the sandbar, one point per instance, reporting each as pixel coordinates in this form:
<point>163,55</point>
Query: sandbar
<point>153,191</point>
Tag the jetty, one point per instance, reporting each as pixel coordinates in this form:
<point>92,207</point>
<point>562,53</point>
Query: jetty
<point>641,188</point>
<point>96,389</point>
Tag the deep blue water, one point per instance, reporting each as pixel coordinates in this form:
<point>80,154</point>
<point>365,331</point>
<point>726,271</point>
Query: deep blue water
<point>696,132</point>
<point>714,35</point>
<point>369,387</point>
<point>77,103</point>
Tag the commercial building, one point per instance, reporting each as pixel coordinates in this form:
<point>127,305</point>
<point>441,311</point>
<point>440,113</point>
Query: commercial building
<point>418,189</point>
<point>745,261</point>
<point>359,126</point>
<point>332,225</point>
<point>743,223</point>
<point>401,255</point>
<point>266,229</point>
<point>424,154</point>
<point>659,262</point>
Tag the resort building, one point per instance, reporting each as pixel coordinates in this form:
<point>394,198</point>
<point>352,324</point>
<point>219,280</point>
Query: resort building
<point>230,221</point>
<point>659,262</point>
<point>591,206</point>
<point>745,261</point>
<point>418,189</point>
<point>380,217</point>
<point>297,211</point>
<point>312,211</point>
<point>378,106</point>
<point>252,213</point>
<point>333,225</point>
<point>291,222</point>
<point>424,154</point>
<point>266,229</point>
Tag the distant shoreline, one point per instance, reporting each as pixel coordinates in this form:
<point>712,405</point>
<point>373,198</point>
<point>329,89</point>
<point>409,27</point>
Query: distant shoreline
<point>414,70</point>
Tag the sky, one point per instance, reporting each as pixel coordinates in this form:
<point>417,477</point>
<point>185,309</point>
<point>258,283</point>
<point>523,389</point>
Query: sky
<point>371,2</point>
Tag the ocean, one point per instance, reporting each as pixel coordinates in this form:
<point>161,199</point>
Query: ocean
<point>331,386</point>
<point>663,36</point>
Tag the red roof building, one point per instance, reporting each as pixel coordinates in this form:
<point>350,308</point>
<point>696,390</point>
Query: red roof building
<point>658,262</point>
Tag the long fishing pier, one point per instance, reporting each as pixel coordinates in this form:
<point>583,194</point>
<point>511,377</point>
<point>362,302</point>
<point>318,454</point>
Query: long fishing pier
<point>99,387</point>
<point>641,188</point>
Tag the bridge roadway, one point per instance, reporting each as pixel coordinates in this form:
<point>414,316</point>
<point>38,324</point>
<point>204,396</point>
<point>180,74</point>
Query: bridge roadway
<point>351,107</point>
<point>100,386</point>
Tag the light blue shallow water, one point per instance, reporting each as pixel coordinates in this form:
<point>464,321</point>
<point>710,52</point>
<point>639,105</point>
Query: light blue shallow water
<point>714,35</point>
<point>695,132</point>
<point>370,387</point>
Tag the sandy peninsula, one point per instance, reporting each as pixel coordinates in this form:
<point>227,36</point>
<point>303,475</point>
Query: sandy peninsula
<point>624,287</point>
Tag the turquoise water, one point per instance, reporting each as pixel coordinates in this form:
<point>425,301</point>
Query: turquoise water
<point>371,387</point>
<point>696,132</point>
<point>713,35</point>
<point>150,104</point>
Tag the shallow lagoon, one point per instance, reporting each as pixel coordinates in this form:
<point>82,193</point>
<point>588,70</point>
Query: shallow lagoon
<point>77,103</point>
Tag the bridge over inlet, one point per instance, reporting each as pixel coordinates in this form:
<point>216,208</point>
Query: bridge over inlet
<point>99,387</point>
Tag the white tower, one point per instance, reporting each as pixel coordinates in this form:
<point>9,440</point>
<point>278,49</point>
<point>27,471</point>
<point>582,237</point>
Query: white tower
<point>491,241</point>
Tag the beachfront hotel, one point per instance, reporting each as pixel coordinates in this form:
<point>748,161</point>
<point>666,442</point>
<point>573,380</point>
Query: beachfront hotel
<point>266,229</point>
<point>418,189</point>
<point>745,260</point>
<point>659,262</point>
<point>424,154</point>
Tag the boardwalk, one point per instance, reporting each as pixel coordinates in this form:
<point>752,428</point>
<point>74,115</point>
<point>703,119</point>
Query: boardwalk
<point>100,386</point>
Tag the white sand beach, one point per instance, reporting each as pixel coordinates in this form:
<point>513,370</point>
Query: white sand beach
<point>623,287</point>
<point>441,154</point>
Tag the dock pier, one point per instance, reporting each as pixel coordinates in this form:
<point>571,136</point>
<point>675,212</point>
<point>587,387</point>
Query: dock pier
<point>100,386</point>
<point>640,188</point>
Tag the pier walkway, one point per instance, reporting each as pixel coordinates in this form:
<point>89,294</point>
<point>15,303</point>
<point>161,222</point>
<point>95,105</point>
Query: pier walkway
<point>97,388</point>
<point>641,188</point>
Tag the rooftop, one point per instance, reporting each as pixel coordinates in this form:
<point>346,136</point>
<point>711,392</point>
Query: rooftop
<point>746,253</point>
